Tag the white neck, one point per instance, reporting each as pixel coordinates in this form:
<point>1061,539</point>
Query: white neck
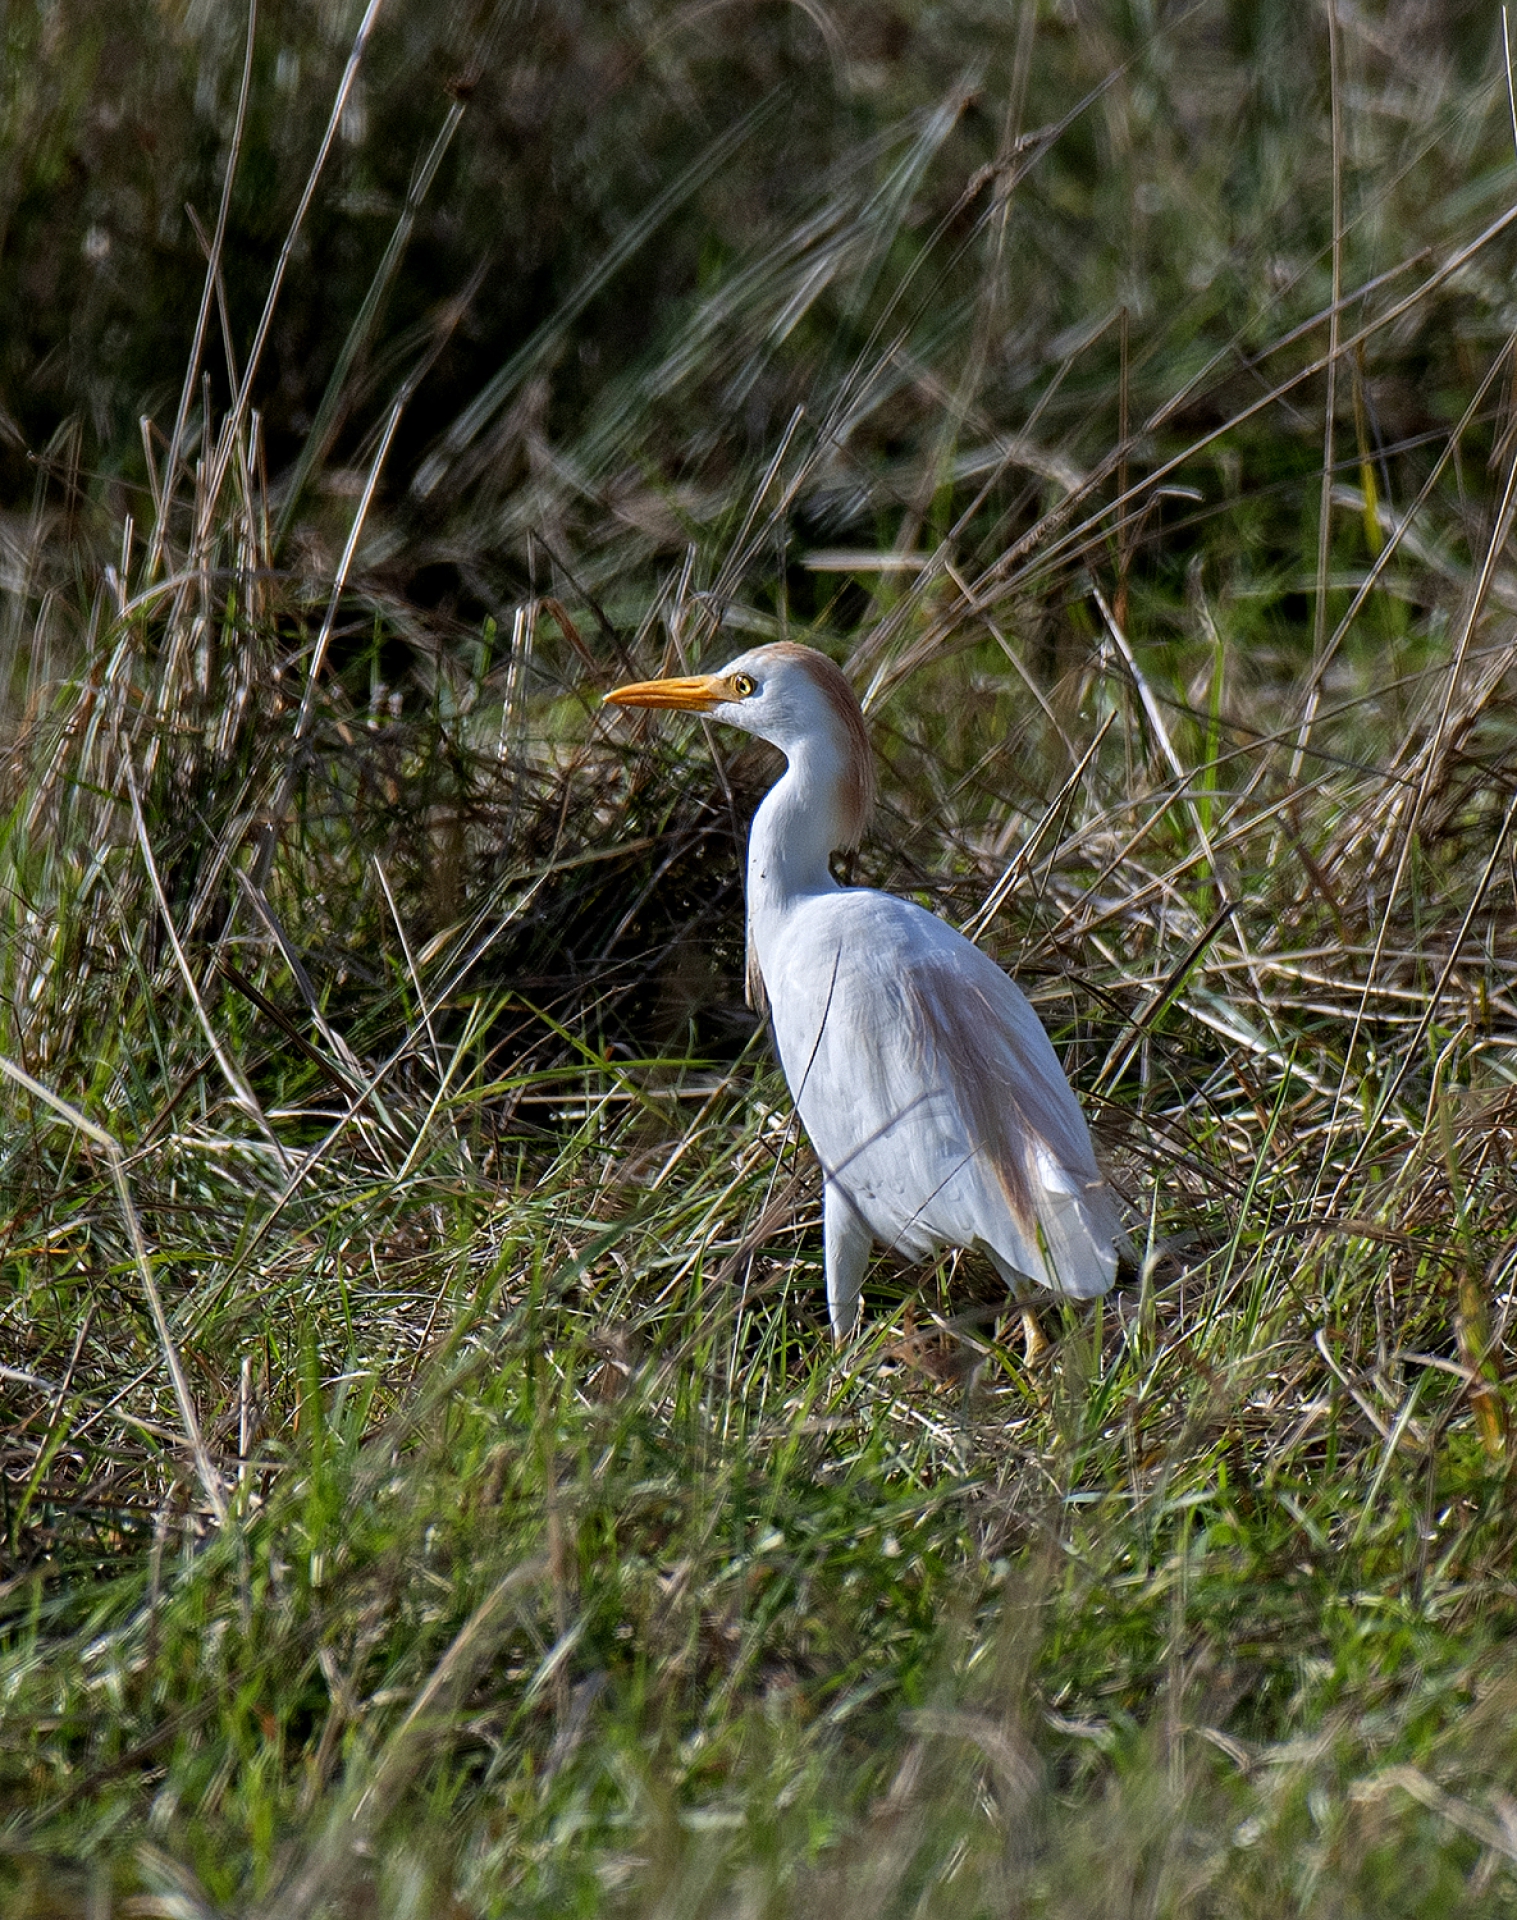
<point>793,833</point>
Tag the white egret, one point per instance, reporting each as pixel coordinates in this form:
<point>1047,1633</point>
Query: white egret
<point>925,1081</point>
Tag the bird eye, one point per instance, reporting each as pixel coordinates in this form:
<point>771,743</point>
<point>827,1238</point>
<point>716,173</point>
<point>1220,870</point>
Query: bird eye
<point>742,686</point>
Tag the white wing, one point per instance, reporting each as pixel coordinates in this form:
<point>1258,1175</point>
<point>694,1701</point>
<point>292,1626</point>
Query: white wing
<point>931,1093</point>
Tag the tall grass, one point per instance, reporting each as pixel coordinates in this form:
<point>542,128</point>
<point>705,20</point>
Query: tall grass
<point>428,1486</point>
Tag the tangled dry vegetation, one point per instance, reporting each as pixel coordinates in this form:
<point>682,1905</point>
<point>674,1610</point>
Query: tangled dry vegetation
<point>427,1485</point>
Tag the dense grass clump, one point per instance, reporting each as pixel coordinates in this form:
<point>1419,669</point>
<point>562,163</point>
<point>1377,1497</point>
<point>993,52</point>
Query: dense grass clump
<point>427,1485</point>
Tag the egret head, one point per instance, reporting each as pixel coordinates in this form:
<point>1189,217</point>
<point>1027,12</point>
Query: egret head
<point>797,700</point>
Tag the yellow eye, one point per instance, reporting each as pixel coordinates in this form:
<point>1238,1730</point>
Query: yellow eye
<point>742,686</point>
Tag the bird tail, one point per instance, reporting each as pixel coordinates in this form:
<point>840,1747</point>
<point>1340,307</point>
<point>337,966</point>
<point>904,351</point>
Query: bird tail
<point>1080,1233</point>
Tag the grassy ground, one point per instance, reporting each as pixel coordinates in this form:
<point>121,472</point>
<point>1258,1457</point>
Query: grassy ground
<point>427,1484</point>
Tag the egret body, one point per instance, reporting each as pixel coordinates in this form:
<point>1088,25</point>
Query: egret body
<point>925,1081</point>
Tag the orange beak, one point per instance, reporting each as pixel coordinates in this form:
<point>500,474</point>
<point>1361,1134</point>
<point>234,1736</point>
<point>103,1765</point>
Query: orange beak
<point>699,694</point>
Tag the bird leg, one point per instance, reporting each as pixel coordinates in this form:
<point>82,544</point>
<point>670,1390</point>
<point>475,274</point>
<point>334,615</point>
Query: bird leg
<point>847,1242</point>
<point>1035,1343</point>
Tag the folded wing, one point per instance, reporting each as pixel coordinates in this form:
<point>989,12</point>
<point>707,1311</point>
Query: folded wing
<point>978,1038</point>
<point>937,1103</point>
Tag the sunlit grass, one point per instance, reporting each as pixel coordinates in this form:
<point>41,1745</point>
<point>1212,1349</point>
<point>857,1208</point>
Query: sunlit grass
<point>538,1554</point>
